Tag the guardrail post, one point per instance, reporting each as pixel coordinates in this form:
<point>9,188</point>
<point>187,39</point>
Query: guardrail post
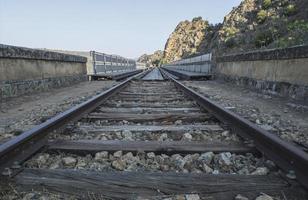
<point>92,53</point>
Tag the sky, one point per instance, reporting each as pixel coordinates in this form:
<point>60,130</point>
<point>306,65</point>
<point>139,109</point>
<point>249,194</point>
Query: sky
<point>128,28</point>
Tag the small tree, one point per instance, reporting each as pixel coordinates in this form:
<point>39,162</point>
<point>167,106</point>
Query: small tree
<point>267,4</point>
<point>195,19</point>
<point>264,38</point>
<point>261,16</point>
<point>290,10</point>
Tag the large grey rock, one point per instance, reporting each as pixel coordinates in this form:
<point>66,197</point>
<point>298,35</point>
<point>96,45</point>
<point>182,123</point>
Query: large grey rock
<point>178,161</point>
<point>260,171</point>
<point>192,197</point>
<point>29,196</point>
<point>55,165</point>
<point>151,155</point>
<point>187,137</point>
<point>117,154</point>
<point>119,164</point>
<point>127,135</point>
<point>178,122</point>
<point>240,197</point>
<point>100,156</point>
<point>206,157</point>
<point>163,137</point>
<point>264,197</point>
<point>207,169</point>
<point>225,159</point>
<point>42,159</point>
<point>69,161</point>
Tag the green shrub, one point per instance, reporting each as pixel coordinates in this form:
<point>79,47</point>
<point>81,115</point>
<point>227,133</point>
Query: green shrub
<point>230,43</point>
<point>195,19</point>
<point>290,10</point>
<point>261,16</point>
<point>230,32</point>
<point>267,4</point>
<point>297,33</point>
<point>298,25</point>
<point>264,38</point>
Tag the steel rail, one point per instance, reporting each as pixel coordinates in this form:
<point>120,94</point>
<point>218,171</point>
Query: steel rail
<point>284,154</point>
<point>20,148</point>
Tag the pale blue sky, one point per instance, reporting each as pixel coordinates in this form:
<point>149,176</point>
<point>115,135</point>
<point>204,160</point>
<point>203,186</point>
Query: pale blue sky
<point>125,27</point>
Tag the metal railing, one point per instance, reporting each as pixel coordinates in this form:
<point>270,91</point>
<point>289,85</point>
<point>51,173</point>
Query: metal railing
<point>140,65</point>
<point>200,64</point>
<point>106,64</point>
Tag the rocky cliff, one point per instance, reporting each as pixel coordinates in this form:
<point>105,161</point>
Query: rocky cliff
<point>254,24</point>
<point>186,39</point>
<point>152,59</point>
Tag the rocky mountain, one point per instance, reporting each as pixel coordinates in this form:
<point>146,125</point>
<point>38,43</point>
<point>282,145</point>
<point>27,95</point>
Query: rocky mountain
<point>152,59</point>
<point>186,39</point>
<point>254,24</point>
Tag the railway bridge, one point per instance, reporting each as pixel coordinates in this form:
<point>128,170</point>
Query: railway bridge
<point>151,137</point>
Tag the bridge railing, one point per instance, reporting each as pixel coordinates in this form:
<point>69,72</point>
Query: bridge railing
<point>199,64</point>
<point>106,64</point>
<point>140,65</point>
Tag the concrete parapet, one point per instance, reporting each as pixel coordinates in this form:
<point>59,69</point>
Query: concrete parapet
<point>280,71</point>
<point>24,70</point>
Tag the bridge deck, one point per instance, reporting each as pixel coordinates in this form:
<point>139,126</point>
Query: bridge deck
<point>154,75</point>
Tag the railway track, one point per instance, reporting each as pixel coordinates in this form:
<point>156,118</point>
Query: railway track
<point>152,138</point>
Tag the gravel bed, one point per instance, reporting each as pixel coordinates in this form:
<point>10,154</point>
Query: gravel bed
<point>277,115</point>
<point>46,195</point>
<point>21,114</point>
<point>209,162</point>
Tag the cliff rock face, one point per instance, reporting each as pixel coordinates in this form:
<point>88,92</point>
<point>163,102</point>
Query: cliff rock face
<point>254,24</point>
<point>186,39</point>
<point>152,59</point>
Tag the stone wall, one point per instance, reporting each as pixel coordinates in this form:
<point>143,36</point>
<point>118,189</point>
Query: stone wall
<point>282,72</point>
<point>25,70</point>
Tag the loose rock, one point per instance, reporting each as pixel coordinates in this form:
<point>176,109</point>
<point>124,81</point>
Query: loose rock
<point>224,159</point>
<point>207,169</point>
<point>264,197</point>
<point>69,161</point>
<point>127,135</point>
<point>100,156</point>
<point>151,155</point>
<point>206,157</point>
<point>178,122</point>
<point>117,154</point>
<point>260,171</point>
<point>119,164</point>
<point>29,196</point>
<point>163,137</point>
<point>240,197</point>
<point>187,137</point>
<point>192,197</point>
<point>42,159</point>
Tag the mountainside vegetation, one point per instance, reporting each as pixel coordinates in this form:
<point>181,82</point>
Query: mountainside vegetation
<point>261,24</point>
<point>253,25</point>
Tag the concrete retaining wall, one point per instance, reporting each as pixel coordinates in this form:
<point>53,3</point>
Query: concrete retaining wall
<point>24,70</point>
<point>282,72</point>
